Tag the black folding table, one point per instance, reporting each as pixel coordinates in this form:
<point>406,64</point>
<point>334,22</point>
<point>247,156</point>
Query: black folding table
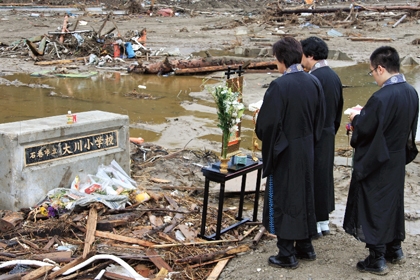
<point>212,173</point>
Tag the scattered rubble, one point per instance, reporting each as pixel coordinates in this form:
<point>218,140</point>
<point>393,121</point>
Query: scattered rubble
<point>108,47</point>
<point>154,237</point>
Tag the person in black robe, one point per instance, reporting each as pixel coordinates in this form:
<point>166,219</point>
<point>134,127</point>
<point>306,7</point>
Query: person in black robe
<point>384,141</point>
<point>315,53</point>
<point>289,122</point>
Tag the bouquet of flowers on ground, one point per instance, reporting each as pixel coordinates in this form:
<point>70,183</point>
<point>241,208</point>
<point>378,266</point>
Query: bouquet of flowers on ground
<point>229,112</point>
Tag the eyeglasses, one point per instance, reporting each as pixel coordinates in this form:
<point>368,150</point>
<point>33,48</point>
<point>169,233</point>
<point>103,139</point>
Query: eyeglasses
<point>371,72</point>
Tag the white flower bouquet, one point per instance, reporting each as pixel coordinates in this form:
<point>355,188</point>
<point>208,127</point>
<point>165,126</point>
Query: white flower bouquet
<point>229,112</point>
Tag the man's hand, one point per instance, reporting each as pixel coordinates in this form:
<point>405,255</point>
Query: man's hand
<point>352,115</point>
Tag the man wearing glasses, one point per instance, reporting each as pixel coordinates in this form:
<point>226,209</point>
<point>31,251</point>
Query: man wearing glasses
<point>384,142</point>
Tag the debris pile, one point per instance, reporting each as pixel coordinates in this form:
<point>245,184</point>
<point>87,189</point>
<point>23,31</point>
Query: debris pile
<point>155,237</point>
<point>355,16</point>
<point>88,45</point>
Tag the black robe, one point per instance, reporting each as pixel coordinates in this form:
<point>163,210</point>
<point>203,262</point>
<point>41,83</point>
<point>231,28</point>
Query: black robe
<point>289,122</point>
<point>384,141</point>
<point>325,148</point>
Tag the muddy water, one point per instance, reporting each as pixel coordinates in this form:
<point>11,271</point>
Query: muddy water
<point>103,92</point>
<point>361,87</point>
<point>106,91</point>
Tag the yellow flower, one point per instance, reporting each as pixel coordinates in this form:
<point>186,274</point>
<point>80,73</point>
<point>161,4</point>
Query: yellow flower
<point>43,211</point>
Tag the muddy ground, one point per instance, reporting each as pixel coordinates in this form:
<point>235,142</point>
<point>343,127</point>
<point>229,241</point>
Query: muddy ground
<point>222,25</point>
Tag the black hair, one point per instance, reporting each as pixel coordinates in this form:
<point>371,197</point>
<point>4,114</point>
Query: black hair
<point>387,57</point>
<point>288,50</point>
<point>316,47</point>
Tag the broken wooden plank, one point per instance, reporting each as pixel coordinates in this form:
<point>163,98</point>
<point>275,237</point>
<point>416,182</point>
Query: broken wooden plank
<point>91,229</point>
<point>124,238</point>
<point>115,276</point>
<point>259,235</point>
<point>37,273</point>
<point>159,181</point>
<point>370,39</point>
<point>158,261</point>
<point>210,262</point>
<point>248,233</point>
<point>128,246</point>
<point>175,221</point>
<point>189,234</point>
<point>63,61</point>
<point>194,243</point>
<point>64,29</point>
<point>217,270</point>
<point>17,276</point>
<point>10,220</point>
<point>50,243</point>
<point>68,32</point>
<point>399,21</point>
<point>213,255</point>
<point>9,255</point>
<point>77,261</point>
<point>27,242</point>
<point>171,202</point>
<point>166,237</point>
<point>270,64</point>
<point>110,225</point>
<point>53,255</point>
<point>155,221</point>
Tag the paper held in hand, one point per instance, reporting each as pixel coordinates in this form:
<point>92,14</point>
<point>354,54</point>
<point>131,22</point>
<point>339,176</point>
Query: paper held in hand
<point>355,109</point>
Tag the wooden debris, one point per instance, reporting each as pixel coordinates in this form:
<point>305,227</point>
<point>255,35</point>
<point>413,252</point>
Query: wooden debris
<point>53,255</point>
<point>160,181</point>
<point>91,229</point>
<point>110,275</point>
<point>124,238</point>
<point>113,221</point>
<point>210,262</point>
<point>39,272</point>
<point>187,232</point>
<point>215,255</point>
<point>399,21</point>
<point>158,261</point>
<point>217,270</point>
<point>64,61</point>
<point>77,261</point>
<point>370,39</point>
<point>17,276</point>
<point>50,243</point>
<point>147,241</point>
<point>10,220</point>
<point>259,235</point>
<point>195,243</point>
<point>27,242</point>
<point>64,29</point>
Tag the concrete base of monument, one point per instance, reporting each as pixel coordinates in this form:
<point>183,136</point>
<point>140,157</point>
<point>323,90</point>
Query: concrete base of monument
<point>39,155</point>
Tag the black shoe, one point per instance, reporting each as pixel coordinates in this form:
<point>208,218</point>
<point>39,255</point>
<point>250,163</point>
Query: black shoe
<point>283,262</point>
<point>318,235</point>
<point>396,257</point>
<point>306,255</point>
<point>373,265</point>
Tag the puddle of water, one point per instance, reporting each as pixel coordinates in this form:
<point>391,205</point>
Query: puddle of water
<point>362,86</point>
<point>103,92</point>
<point>106,92</point>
